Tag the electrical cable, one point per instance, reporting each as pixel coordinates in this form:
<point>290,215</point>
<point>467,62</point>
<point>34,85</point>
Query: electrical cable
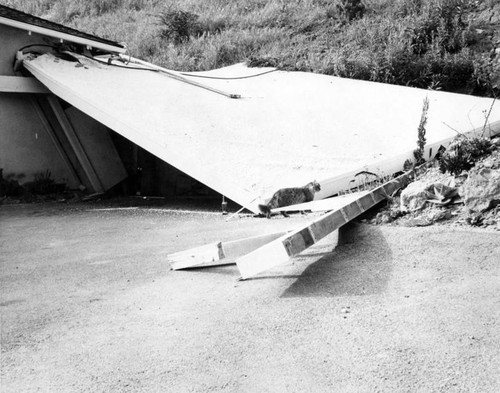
<point>151,69</point>
<point>170,74</point>
<point>32,45</point>
<point>227,78</point>
<point>173,75</point>
<point>180,73</point>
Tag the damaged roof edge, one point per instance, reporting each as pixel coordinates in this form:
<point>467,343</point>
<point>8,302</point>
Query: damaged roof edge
<point>30,23</point>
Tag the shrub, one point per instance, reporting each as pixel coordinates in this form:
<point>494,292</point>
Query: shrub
<point>486,76</point>
<point>444,25</point>
<point>179,26</point>
<point>351,9</point>
<point>463,153</point>
<point>226,55</point>
<point>354,68</point>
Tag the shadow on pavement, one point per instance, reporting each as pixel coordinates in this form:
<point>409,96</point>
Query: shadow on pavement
<point>360,267</point>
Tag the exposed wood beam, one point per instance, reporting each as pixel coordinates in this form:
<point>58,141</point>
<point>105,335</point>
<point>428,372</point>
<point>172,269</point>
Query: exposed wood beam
<point>291,244</point>
<point>219,253</point>
<point>19,84</point>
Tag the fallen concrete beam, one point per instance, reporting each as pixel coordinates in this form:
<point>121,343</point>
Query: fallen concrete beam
<point>288,129</point>
<point>291,244</point>
<point>219,253</point>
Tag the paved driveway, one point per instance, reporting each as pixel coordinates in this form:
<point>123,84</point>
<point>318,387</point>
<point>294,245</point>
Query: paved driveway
<point>88,304</point>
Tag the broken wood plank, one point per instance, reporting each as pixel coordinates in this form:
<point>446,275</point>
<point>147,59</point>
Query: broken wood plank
<point>207,255</point>
<point>291,244</point>
<point>219,253</point>
<point>20,84</point>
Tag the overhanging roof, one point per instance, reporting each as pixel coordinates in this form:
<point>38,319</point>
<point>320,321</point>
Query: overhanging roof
<point>287,129</point>
<point>24,21</point>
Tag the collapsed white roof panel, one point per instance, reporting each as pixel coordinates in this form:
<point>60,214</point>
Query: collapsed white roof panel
<point>287,129</point>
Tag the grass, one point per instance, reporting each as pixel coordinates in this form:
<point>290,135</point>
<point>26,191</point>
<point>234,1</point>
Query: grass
<point>420,43</point>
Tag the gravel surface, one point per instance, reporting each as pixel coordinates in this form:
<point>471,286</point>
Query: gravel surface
<point>88,304</point>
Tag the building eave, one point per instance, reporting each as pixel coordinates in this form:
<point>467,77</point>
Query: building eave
<point>61,36</point>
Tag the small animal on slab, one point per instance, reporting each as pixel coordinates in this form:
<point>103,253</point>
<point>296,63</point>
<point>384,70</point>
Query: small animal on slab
<point>290,196</point>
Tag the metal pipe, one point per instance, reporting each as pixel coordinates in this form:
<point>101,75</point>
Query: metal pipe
<point>176,76</point>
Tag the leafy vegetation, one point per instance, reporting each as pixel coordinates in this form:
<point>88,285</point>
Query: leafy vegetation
<point>433,44</point>
<point>463,153</point>
<point>351,9</point>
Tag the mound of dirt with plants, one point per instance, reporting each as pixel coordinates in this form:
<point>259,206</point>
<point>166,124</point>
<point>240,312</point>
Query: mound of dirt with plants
<point>460,188</point>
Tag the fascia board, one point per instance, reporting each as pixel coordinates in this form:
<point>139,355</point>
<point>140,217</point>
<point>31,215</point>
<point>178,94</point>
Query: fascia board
<point>60,35</point>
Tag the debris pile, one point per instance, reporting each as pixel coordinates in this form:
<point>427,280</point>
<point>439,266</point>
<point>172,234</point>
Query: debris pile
<point>481,190</point>
<point>421,192</point>
<point>467,197</point>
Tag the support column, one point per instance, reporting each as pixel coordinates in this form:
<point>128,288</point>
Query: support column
<point>75,144</point>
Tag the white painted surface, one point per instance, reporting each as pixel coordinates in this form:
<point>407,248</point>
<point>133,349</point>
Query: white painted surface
<point>288,129</point>
<point>264,258</point>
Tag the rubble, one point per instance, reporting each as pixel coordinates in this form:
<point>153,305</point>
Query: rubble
<point>481,190</point>
<point>421,192</point>
<point>415,196</point>
<point>470,198</point>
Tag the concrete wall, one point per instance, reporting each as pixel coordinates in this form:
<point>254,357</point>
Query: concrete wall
<point>25,146</point>
<point>11,40</point>
<point>32,141</point>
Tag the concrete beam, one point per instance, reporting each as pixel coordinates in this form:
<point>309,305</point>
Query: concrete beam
<point>76,144</point>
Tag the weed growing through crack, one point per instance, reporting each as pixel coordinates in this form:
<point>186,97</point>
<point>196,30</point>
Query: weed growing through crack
<point>421,139</point>
<point>418,153</point>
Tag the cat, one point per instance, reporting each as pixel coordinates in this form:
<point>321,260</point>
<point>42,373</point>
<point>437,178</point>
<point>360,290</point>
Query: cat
<point>290,196</point>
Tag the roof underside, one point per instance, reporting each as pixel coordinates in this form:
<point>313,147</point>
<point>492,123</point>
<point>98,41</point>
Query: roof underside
<point>22,17</point>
